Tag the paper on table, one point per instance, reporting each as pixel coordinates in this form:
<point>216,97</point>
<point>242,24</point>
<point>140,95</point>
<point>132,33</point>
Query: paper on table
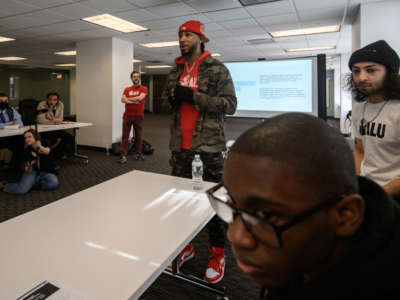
<point>51,291</point>
<point>12,127</point>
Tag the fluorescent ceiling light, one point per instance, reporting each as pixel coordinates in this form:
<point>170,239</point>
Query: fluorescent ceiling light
<point>65,65</point>
<point>305,31</point>
<point>136,60</point>
<point>159,45</point>
<point>115,23</point>
<point>5,39</point>
<point>215,54</point>
<point>66,53</point>
<point>158,67</point>
<point>310,49</point>
<point>12,58</point>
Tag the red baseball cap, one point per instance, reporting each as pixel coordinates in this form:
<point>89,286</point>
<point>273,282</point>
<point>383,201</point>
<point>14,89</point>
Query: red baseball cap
<point>194,26</point>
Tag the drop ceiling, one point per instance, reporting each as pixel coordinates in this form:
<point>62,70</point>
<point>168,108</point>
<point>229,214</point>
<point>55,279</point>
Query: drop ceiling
<point>42,27</point>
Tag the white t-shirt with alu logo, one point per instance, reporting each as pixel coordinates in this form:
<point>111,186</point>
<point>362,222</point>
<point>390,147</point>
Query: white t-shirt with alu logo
<point>380,137</point>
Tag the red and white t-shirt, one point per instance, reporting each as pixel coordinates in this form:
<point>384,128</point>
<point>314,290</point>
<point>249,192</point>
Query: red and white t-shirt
<point>135,109</point>
<point>189,114</point>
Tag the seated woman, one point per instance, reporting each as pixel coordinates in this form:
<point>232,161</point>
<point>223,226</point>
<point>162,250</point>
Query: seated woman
<point>38,167</point>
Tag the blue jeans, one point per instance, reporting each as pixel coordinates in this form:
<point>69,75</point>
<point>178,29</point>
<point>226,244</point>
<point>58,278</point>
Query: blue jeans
<point>43,181</point>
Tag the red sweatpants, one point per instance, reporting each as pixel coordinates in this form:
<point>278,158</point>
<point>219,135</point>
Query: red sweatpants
<point>127,123</point>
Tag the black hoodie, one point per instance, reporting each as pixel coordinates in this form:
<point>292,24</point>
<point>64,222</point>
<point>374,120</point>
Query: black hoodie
<point>369,269</point>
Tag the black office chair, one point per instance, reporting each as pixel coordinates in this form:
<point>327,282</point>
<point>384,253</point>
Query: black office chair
<point>28,110</point>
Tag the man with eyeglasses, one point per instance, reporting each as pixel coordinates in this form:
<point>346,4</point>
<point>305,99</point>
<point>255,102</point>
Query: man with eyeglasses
<point>301,223</point>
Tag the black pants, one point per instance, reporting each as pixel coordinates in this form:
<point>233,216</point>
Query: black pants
<point>66,145</point>
<point>181,163</point>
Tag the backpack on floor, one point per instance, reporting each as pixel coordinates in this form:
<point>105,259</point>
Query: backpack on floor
<point>116,148</point>
<point>147,149</point>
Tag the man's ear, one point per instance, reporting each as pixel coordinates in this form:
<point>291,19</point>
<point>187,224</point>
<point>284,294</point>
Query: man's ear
<point>348,215</point>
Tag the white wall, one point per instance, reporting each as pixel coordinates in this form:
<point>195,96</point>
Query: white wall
<point>122,52</point>
<point>381,21</point>
<point>103,68</point>
<point>356,33</point>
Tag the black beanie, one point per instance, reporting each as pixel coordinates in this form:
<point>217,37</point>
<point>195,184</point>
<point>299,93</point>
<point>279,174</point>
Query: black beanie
<point>379,52</point>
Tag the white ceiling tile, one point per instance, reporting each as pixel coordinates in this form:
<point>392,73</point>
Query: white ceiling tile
<point>48,3</point>
<point>226,15</point>
<point>159,24</point>
<point>209,27</point>
<point>239,24</point>
<point>302,5</point>
<point>275,20</point>
<point>43,17</point>
<point>110,6</point>
<point>172,10</point>
<point>285,26</point>
<point>75,11</point>
<point>199,17</point>
<point>318,14</point>
<point>323,36</point>
<point>256,30</point>
<point>212,5</point>
<point>271,9</point>
<point>218,33</point>
<point>150,3</point>
<point>13,7</point>
<point>137,15</point>
<point>15,22</point>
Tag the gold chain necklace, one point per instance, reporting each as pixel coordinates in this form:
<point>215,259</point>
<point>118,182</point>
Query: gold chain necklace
<point>364,122</point>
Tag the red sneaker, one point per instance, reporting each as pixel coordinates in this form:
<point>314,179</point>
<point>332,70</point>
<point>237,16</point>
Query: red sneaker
<point>186,254</point>
<point>216,265</point>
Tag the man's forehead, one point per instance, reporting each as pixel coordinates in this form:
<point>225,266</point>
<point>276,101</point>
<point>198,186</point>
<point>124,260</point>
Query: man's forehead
<point>366,64</point>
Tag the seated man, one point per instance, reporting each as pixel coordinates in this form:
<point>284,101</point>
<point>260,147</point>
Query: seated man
<point>9,116</point>
<point>300,221</point>
<point>51,112</point>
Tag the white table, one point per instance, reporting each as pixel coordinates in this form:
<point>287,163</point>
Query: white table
<point>110,241</point>
<point>45,128</point>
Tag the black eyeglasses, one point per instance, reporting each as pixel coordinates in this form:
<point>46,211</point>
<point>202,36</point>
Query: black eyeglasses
<point>260,228</point>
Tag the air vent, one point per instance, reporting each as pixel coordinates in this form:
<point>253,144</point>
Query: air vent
<point>255,2</point>
<point>260,41</point>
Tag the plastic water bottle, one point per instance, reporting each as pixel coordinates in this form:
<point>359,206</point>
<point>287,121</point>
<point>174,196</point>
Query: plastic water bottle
<point>197,173</point>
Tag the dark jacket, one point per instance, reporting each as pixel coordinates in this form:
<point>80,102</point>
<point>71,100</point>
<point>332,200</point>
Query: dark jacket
<point>369,271</point>
<point>214,99</point>
<point>46,162</point>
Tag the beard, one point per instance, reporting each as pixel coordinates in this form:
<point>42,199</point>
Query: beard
<point>189,51</point>
<point>136,82</point>
<point>369,90</point>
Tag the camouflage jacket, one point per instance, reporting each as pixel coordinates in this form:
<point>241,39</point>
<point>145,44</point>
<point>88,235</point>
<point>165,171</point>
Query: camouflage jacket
<point>214,99</point>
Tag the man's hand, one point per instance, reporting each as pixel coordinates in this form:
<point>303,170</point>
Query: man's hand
<point>56,122</point>
<point>12,123</point>
<point>183,94</point>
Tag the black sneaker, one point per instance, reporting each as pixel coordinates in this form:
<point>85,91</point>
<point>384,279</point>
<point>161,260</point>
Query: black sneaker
<point>122,159</point>
<point>139,156</point>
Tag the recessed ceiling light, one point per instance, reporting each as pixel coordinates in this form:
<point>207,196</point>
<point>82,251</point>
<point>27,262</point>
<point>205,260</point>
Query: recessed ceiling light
<point>305,31</point>
<point>215,54</point>
<point>115,23</point>
<point>158,67</point>
<point>66,53</point>
<point>136,60</point>
<point>12,58</point>
<point>5,39</point>
<point>65,65</point>
<point>159,45</point>
<point>310,49</point>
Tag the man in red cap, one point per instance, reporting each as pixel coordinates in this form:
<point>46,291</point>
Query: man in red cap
<point>200,92</point>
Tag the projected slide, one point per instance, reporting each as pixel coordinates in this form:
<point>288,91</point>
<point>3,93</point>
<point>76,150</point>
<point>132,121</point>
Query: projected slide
<point>273,86</point>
